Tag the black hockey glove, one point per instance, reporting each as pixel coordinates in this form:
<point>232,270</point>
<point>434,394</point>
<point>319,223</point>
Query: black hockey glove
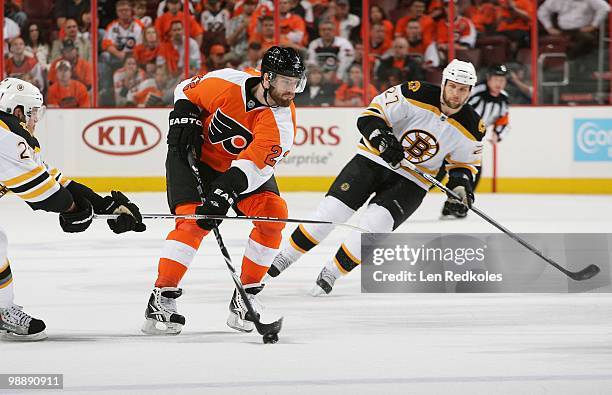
<point>129,215</point>
<point>185,128</point>
<point>391,150</point>
<point>79,219</point>
<point>222,195</point>
<point>461,184</point>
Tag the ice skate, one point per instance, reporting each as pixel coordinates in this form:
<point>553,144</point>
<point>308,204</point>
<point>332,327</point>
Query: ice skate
<point>324,284</point>
<point>161,315</point>
<point>238,318</point>
<point>449,213</point>
<point>15,324</point>
<point>281,263</point>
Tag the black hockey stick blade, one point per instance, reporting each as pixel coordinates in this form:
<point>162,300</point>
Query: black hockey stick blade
<point>273,328</point>
<point>585,274</point>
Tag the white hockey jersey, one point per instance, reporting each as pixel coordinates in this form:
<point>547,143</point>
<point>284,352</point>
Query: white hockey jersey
<point>412,111</point>
<point>22,168</point>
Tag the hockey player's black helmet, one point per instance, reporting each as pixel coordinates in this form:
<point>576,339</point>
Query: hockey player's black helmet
<point>284,61</point>
<point>498,69</point>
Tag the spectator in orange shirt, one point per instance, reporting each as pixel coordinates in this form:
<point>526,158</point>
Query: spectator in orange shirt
<point>216,58</point>
<point>146,52</point>
<point>172,53</point>
<point>350,94</point>
<point>416,44</point>
<point>163,23</point>
<point>379,44</point>
<point>464,34</point>
<point>515,22</point>
<point>20,65</point>
<point>484,15</point>
<point>66,92</point>
<point>154,92</point>
<point>266,37</point>
<point>292,27</point>
<point>377,15</point>
<point>417,11</point>
<point>80,69</point>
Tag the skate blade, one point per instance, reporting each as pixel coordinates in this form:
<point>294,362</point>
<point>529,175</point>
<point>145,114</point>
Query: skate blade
<point>236,323</point>
<point>317,291</point>
<point>157,328</point>
<point>13,337</point>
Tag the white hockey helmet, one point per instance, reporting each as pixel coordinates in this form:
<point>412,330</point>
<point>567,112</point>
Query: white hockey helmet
<point>15,92</point>
<point>460,72</point>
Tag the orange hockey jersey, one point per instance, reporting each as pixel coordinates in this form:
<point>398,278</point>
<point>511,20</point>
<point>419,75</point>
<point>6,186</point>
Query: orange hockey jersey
<point>238,130</point>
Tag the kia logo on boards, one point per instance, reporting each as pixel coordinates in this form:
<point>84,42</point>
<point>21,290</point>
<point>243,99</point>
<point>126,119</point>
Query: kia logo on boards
<point>121,135</point>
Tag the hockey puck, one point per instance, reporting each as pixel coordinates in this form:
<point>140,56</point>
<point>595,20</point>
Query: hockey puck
<point>270,338</point>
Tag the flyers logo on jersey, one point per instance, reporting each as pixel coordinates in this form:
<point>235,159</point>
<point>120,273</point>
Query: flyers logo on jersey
<point>419,145</point>
<point>232,135</point>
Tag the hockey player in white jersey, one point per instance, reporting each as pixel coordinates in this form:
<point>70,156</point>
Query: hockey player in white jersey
<point>490,101</point>
<point>23,172</point>
<point>416,121</point>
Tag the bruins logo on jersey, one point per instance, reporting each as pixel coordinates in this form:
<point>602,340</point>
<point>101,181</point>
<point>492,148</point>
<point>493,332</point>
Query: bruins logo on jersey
<point>481,126</point>
<point>232,135</point>
<point>419,145</point>
<point>414,85</point>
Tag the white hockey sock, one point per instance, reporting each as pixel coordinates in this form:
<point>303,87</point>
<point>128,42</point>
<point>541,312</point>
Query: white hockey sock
<point>6,278</point>
<point>306,236</point>
<point>375,219</point>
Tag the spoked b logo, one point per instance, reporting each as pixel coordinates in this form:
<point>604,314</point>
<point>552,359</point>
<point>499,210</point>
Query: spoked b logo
<point>593,140</point>
<point>419,145</point>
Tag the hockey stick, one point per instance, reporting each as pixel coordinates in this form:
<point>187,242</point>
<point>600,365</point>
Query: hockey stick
<point>237,218</point>
<point>269,331</point>
<point>580,275</point>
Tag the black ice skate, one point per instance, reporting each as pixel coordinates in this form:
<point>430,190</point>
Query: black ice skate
<point>449,213</point>
<point>324,284</point>
<point>15,324</point>
<point>238,318</point>
<point>161,315</point>
<point>281,263</point>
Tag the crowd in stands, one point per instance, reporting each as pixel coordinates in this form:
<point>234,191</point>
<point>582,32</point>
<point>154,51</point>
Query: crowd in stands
<point>142,43</point>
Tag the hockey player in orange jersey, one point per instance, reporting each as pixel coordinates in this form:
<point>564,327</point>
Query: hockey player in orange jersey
<point>241,125</point>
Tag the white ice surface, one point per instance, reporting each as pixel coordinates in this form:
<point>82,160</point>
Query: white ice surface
<point>91,290</point>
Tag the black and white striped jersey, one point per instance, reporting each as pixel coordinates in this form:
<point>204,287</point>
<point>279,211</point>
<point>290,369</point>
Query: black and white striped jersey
<point>493,110</point>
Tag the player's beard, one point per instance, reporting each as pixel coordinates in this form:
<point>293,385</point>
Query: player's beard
<point>281,100</point>
<point>448,104</point>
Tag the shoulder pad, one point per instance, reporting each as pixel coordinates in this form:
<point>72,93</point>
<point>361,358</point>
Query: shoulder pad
<point>471,121</point>
<point>422,91</point>
<point>12,122</point>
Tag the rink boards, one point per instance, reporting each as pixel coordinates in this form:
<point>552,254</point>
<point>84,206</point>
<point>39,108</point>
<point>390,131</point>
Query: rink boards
<point>548,149</point>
